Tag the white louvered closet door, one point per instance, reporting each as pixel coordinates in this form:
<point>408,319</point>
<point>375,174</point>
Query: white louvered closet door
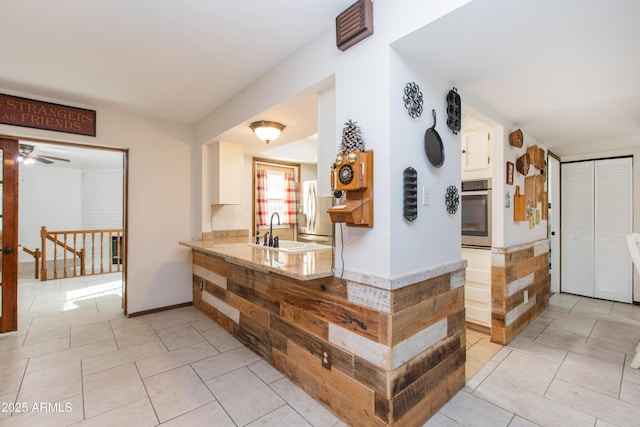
<point>613,220</point>
<point>577,228</point>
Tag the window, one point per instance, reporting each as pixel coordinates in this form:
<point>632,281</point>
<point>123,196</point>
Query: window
<point>275,193</point>
<point>275,190</point>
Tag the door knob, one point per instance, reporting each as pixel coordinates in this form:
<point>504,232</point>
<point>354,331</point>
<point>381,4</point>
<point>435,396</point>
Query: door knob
<point>8,250</point>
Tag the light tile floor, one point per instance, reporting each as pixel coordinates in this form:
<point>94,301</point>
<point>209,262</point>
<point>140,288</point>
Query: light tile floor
<point>569,367</point>
<point>76,360</point>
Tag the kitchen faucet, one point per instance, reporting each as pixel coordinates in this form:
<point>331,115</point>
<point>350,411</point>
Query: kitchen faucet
<point>271,227</point>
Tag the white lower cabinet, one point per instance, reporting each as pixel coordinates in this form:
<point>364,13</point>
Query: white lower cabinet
<point>477,288</point>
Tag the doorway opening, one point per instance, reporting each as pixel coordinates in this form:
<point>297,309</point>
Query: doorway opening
<point>79,195</point>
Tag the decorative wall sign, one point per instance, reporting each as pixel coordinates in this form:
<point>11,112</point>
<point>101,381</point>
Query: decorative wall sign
<point>30,113</point>
<point>510,169</point>
<point>452,199</point>
<point>413,99</point>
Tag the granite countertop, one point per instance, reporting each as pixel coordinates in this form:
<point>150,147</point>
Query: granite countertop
<point>237,250</point>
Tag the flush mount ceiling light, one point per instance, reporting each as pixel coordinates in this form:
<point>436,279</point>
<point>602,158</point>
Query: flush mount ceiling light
<point>267,131</point>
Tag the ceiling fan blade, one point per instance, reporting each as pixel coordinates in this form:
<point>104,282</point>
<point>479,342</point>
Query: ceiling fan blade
<point>54,158</point>
<point>41,160</point>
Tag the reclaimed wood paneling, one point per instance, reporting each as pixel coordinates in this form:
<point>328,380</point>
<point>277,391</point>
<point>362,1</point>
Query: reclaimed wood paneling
<point>514,272</point>
<point>420,316</point>
<point>329,388</point>
<point>249,293</point>
<point>394,409</point>
<point>255,336</point>
<point>433,400</point>
<point>417,335</point>
<point>305,321</point>
<point>340,359</point>
<point>358,319</point>
<point>407,374</point>
<point>409,296</point>
<point>212,263</point>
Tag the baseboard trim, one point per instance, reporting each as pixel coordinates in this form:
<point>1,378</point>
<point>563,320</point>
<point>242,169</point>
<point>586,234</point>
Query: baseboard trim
<point>479,328</point>
<point>159,309</point>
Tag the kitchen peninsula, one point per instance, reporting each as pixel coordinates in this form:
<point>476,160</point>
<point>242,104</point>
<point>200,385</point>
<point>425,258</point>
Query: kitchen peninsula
<point>301,265</point>
<point>375,352</point>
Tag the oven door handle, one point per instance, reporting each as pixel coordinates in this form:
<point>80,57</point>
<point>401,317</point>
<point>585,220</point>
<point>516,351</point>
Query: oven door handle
<point>476,193</point>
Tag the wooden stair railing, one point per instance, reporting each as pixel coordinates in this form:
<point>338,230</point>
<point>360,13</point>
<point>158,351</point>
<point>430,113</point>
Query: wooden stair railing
<point>37,255</point>
<point>77,242</point>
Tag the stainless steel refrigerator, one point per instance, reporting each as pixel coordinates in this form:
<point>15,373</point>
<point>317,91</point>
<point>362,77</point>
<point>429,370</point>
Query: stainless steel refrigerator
<point>314,224</point>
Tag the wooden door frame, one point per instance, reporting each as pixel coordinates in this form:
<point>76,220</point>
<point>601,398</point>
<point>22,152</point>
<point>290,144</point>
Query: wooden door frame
<point>556,214</point>
<point>9,315</point>
<point>125,202</point>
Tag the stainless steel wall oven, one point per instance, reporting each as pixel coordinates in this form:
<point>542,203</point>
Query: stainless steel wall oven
<point>476,213</point>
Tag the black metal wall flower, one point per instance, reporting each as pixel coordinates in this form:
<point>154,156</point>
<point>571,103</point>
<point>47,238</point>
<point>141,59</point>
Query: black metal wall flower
<point>413,99</point>
<point>452,199</point>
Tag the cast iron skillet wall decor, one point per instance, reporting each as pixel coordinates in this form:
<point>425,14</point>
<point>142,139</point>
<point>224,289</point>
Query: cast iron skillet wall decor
<point>454,111</point>
<point>413,99</point>
<point>433,144</point>
<point>410,194</point>
<point>452,199</point>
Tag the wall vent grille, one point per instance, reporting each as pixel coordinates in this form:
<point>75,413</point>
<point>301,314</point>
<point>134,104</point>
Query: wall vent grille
<point>354,24</point>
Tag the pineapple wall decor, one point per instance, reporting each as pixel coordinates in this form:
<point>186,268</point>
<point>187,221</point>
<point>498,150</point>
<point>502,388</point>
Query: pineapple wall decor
<point>352,139</point>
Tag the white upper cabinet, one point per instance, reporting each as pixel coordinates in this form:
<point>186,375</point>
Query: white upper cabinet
<point>476,150</point>
<point>227,159</point>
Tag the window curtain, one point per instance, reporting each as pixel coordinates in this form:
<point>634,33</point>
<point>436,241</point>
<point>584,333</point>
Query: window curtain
<point>261,197</point>
<point>290,199</point>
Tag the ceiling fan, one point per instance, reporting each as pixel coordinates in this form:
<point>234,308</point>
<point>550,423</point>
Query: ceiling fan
<point>28,157</point>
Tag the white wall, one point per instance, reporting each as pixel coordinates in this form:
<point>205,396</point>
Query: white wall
<point>160,205</point>
<point>434,237</point>
<point>326,138</point>
<point>102,196</point>
<point>366,93</point>
<point>167,188</point>
<point>516,233</point>
<point>48,196</point>
<point>65,199</point>
<point>308,172</point>
<point>505,232</point>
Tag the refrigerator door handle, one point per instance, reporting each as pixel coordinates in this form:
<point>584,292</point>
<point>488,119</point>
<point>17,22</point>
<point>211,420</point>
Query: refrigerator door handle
<point>314,199</point>
<point>311,208</point>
